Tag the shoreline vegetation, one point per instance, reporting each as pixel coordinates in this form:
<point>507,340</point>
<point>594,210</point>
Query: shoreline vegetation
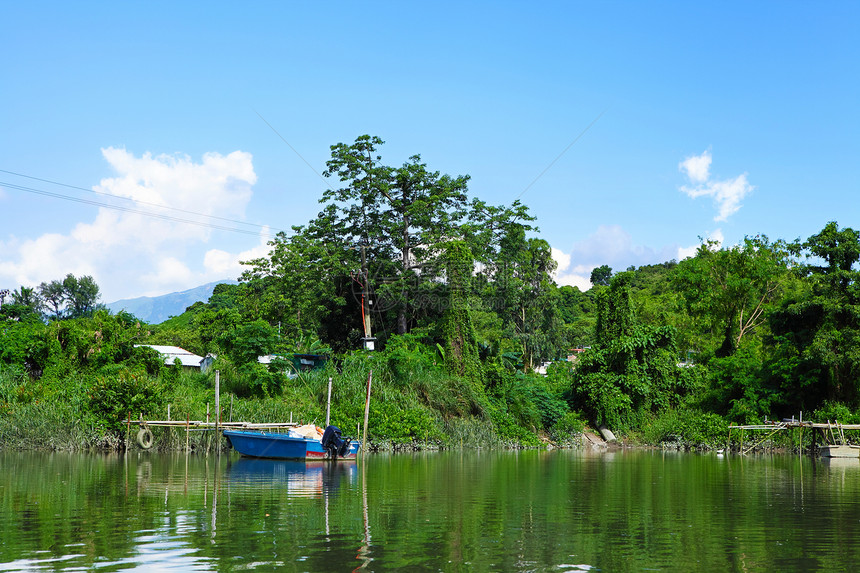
<point>475,343</point>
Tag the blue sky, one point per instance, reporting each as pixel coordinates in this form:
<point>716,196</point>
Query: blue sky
<point>686,120</point>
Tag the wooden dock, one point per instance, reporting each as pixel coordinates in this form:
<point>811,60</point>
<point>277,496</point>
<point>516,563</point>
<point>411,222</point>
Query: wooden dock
<point>198,424</point>
<point>833,433</point>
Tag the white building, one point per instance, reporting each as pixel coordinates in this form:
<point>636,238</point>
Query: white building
<point>171,353</point>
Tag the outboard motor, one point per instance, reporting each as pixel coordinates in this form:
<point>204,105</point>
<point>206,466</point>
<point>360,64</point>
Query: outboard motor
<point>333,442</point>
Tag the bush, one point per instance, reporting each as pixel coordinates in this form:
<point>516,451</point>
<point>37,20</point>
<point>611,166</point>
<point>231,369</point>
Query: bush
<point>112,399</point>
<point>551,409</point>
<point>408,356</point>
<point>686,425</point>
<point>567,428</point>
<point>509,429</point>
<point>401,426</point>
<point>835,411</point>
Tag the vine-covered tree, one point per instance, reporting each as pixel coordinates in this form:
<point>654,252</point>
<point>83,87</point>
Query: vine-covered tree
<point>631,370</point>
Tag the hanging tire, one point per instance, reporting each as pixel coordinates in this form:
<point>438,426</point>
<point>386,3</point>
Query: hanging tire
<point>144,438</point>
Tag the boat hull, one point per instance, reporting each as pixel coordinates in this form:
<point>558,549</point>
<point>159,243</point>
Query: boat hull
<point>281,446</point>
<point>840,451</point>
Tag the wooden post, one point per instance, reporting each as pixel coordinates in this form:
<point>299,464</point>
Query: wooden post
<point>187,431</point>
<point>366,413</point>
<point>127,430</point>
<point>328,405</point>
<point>217,401</point>
<point>365,297</point>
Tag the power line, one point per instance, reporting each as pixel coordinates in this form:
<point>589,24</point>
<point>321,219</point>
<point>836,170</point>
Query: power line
<point>318,174</point>
<point>177,209</point>
<point>136,211</point>
<point>551,163</point>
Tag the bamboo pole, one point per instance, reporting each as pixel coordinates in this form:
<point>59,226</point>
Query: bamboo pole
<point>328,404</point>
<point>217,400</point>
<point>776,429</point>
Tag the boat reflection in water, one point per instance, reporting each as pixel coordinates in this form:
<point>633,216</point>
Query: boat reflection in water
<point>300,478</point>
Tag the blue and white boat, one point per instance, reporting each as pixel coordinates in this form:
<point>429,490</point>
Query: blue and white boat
<point>298,444</point>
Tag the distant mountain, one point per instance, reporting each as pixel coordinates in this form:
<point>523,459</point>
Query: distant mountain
<point>155,310</point>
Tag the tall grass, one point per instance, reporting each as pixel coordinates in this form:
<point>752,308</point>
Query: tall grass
<point>35,416</point>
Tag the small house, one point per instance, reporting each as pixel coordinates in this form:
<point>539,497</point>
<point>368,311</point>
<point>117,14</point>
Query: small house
<point>188,360</point>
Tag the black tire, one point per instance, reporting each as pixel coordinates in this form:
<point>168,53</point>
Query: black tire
<point>144,438</point>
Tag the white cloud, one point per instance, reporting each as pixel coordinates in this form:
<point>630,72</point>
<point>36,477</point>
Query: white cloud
<point>608,245</point>
<point>685,252</point>
<point>132,254</point>
<point>727,195</point>
<point>561,259</point>
<point>697,168</point>
<point>221,263</point>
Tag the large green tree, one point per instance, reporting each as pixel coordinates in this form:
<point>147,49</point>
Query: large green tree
<point>730,290</point>
<point>304,281</point>
<point>81,295</point>
<point>72,297</point>
<point>400,215</point>
<point>817,329</point>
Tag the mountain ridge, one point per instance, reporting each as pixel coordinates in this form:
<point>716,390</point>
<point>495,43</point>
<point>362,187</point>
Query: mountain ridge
<point>157,309</point>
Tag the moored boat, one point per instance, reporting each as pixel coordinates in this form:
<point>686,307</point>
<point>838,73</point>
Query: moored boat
<point>840,451</point>
<point>302,443</point>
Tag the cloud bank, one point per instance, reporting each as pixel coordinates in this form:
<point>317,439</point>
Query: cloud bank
<point>608,245</point>
<point>131,254</point>
<point>727,195</point>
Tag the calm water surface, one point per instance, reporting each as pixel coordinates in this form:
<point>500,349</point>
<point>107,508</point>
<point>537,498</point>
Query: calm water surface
<point>559,511</point>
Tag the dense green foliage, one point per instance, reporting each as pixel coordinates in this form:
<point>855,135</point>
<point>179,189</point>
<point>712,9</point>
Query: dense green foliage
<point>465,313</point>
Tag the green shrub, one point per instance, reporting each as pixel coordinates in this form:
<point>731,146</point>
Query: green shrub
<point>409,356</point>
<point>689,426</point>
<point>835,411</point>
<point>401,426</point>
<point>567,427</point>
<point>551,409</point>
<point>509,429</point>
<point>113,398</point>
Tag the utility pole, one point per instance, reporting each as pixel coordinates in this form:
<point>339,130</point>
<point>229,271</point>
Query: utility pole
<point>369,341</point>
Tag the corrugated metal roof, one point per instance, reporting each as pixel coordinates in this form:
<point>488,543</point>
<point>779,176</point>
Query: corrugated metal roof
<point>171,353</point>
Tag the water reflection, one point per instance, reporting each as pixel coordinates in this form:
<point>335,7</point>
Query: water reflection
<point>486,511</point>
<point>297,478</point>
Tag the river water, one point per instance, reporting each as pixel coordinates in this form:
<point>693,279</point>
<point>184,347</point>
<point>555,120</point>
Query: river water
<point>559,511</point>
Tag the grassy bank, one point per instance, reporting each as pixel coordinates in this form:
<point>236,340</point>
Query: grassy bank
<point>414,405</point>
<point>413,408</point>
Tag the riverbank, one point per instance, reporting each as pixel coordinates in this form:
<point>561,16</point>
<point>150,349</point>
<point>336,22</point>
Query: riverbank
<point>433,411</point>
